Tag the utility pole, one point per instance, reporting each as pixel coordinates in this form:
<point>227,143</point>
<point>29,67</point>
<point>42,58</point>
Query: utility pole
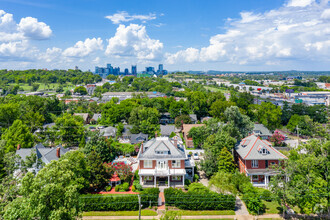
<point>139,207</point>
<point>297,128</point>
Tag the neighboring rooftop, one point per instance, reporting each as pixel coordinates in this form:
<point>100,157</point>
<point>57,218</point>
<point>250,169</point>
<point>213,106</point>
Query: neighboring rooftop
<point>253,148</point>
<point>166,130</point>
<point>260,129</point>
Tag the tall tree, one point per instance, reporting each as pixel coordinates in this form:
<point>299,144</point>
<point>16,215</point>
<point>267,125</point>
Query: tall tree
<point>18,134</point>
<point>226,161</point>
<point>240,125</point>
<point>269,115</point>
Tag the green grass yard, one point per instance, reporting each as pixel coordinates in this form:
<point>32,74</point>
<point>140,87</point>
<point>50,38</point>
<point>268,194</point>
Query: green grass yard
<point>224,90</point>
<point>207,212</point>
<point>43,87</point>
<point>272,207</point>
<point>122,213</point>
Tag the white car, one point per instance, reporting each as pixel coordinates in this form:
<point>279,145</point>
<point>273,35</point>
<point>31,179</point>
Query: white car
<point>196,157</point>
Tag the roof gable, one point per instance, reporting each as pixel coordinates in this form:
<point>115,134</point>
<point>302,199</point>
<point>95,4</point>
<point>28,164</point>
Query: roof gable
<point>253,148</point>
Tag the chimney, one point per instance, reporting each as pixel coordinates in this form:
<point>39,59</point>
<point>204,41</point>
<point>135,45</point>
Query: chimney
<point>18,146</point>
<point>156,134</point>
<point>142,147</point>
<point>58,152</point>
<point>175,138</point>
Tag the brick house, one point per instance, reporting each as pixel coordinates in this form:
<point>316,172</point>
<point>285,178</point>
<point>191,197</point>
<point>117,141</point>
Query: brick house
<point>163,162</point>
<point>255,158</point>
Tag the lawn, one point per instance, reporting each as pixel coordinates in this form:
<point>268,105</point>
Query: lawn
<point>212,212</point>
<point>272,207</point>
<point>224,90</point>
<point>122,213</point>
<point>43,87</point>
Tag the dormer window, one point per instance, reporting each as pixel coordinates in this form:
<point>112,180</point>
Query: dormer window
<point>263,151</point>
<point>162,152</point>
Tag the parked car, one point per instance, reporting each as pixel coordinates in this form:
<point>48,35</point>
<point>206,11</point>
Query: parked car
<point>196,157</point>
<point>189,156</point>
<point>101,127</point>
<point>92,128</point>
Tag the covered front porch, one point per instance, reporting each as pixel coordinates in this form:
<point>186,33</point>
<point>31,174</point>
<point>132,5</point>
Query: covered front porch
<point>162,181</point>
<point>261,178</point>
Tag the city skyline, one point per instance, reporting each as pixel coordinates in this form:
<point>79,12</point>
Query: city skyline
<point>225,36</point>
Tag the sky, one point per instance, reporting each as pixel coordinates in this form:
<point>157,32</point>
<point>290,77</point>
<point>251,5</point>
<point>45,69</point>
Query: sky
<point>235,35</point>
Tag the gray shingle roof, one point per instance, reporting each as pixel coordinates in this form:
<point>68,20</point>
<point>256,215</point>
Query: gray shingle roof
<point>96,117</point>
<point>250,149</point>
<point>193,117</point>
<point>109,131</point>
<point>138,138</point>
<point>43,153</point>
<point>162,144</point>
<point>166,130</point>
<point>262,129</point>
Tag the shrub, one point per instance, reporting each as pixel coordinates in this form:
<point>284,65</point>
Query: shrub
<point>125,186</point>
<point>199,200</point>
<point>117,188</point>
<point>196,178</point>
<point>187,182</point>
<point>92,202</point>
<point>133,188</point>
<point>108,188</point>
<point>136,175</point>
<point>186,187</point>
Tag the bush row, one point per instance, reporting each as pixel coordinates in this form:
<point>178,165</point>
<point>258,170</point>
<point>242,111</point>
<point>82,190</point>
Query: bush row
<point>199,201</point>
<point>119,202</point>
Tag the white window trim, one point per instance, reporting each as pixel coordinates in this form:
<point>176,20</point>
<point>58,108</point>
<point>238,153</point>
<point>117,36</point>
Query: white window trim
<point>176,164</point>
<point>147,163</point>
<point>255,164</point>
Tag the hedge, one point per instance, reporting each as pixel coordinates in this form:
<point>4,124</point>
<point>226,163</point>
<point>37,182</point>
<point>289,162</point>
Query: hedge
<point>117,202</point>
<point>199,201</point>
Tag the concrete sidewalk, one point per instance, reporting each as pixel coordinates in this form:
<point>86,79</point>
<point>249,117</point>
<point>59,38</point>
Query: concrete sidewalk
<point>238,217</point>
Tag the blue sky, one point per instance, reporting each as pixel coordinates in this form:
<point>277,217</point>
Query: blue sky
<point>184,35</point>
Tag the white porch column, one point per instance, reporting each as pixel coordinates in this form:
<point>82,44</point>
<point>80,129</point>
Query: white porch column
<point>155,177</point>
<point>168,181</point>
<point>183,180</point>
<point>141,182</point>
<point>266,180</point>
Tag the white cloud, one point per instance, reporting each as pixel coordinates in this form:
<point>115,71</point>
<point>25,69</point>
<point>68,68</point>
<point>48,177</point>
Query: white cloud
<point>133,41</point>
<point>300,3</point>
<point>280,35</point>
<point>123,16</point>
<point>326,14</point>
<point>34,29</point>
<point>84,48</point>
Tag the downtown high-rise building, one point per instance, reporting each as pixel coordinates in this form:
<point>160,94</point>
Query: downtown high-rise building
<point>134,70</point>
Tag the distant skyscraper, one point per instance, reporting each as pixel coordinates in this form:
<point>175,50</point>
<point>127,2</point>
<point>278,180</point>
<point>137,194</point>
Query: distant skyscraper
<point>150,69</point>
<point>134,70</point>
<point>126,71</point>
<point>160,68</point>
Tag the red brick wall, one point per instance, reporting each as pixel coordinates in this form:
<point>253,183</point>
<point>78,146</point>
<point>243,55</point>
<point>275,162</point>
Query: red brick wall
<point>142,165</point>
<point>261,164</point>
<point>241,165</point>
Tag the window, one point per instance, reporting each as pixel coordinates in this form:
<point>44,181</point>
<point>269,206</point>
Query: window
<point>162,152</point>
<point>254,164</point>
<point>176,177</point>
<point>176,163</point>
<point>272,163</point>
<point>148,164</point>
<point>255,177</point>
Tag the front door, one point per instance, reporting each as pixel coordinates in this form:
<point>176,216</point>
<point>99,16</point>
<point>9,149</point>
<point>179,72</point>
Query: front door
<point>161,164</point>
<point>266,163</point>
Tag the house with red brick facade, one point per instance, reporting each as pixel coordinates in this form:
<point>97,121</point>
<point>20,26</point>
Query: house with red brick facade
<point>163,162</point>
<point>255,158</point>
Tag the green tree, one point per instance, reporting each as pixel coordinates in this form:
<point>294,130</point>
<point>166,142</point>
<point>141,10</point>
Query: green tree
<point>239,125</point>
<point>101,146</point>
<point>69,129</point>
<point>226,161</point>
<point>307,178</point>
<point>81,90</point>
<point>304,123</point>
<point>145,120</point>
<point>219,107</point>
<point>269,115</point>
<point>182,119</point>
<point>51,194</point>
<point>35,86</point>
<point>18,134</point>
